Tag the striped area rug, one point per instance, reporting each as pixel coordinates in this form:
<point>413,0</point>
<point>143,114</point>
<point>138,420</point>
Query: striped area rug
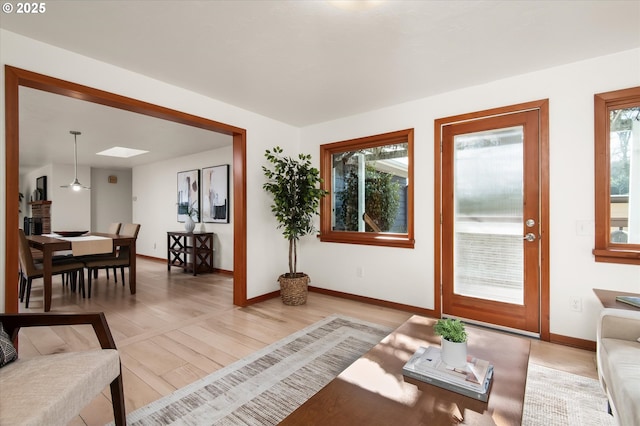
<point>267,386</point>
<point>557,398</point>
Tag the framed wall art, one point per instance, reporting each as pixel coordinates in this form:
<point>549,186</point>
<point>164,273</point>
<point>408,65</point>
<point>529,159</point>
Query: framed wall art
<point>215,194</point>
<point>41,187</point>
<point>189,195</point>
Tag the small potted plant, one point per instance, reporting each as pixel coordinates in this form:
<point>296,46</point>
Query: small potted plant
<point>454,341</point>
<point>294,185</point>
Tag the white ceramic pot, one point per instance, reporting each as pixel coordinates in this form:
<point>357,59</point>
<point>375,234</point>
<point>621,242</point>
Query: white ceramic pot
<point>189,224</point>
<point>454,354</point>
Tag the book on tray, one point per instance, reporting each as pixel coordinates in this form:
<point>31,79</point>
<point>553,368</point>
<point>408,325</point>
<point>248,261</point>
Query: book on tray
<point>630,300</point>
<point>473,380</point>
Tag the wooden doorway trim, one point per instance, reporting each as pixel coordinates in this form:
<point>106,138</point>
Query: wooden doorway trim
<point>16,77</point>
<point>543,107</point>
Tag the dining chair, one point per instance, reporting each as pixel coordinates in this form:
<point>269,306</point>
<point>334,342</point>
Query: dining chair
<point>58,257</point>
<point>121,260</point>
<point>31,270</point>
<point>114,228</point>
<point>129,229</point>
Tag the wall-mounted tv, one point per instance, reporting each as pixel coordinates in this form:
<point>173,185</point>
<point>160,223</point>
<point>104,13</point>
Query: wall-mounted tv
<point>41,186</point>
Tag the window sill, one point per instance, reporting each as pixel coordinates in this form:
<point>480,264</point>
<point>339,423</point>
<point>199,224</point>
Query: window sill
<point>371,239</point>
<point>625,256</point>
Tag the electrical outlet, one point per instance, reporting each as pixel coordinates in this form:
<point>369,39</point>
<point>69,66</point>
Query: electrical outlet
<point>360,272</point>
<point>154,246</point>
<point>576,304</point>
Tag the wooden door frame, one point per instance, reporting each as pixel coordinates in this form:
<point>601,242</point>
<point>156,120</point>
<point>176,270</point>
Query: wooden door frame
<point>16,77</point>
<point>543,107</point>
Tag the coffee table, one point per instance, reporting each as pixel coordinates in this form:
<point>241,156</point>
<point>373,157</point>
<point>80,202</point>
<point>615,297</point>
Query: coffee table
<point>373,391</point>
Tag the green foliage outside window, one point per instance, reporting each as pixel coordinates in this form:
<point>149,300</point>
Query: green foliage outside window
<point>621,123</point>
<point>382,200</point>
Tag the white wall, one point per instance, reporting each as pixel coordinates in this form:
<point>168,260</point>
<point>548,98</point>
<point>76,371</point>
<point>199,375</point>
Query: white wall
<point>110,202</point>
<point>407,276</point>
<point>154,194</point>
<point>398,275</point>
<point>27,185</point>
<point>70,210</point>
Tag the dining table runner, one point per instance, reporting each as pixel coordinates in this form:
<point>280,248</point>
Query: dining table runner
<point>88,244</point>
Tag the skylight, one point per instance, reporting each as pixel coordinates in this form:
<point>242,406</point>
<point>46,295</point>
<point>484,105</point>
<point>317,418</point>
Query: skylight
<point>118,151</point>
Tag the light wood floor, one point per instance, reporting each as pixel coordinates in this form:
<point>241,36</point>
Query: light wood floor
<point>179,328</point>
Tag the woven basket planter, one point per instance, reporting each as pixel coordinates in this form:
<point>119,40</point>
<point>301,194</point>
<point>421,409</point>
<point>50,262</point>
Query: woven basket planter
<point>293,291</point>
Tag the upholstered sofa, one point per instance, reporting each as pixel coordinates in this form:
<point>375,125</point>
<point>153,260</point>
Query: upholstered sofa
<point>53,389</point>
<point>618,357</point>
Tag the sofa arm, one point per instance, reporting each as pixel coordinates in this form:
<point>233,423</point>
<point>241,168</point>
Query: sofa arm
<point>619,324</point>
<point>13,322</point>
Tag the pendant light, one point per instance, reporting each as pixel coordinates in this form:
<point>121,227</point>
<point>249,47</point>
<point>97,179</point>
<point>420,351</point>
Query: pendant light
<point>75,185</point>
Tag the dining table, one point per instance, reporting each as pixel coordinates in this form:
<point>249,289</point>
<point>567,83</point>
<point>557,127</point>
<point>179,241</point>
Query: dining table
<point>49,244</point>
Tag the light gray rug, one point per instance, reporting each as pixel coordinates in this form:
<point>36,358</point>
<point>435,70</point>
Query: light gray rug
<point>556,398</point>
<point>265,387</point>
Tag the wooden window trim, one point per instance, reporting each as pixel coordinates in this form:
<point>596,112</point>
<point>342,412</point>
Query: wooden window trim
<point>605,250</point>
<point>366,238</point>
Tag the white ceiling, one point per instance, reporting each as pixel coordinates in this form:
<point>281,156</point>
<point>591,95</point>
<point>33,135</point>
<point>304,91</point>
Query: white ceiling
<point>47,118</point>
<point>305,62</point>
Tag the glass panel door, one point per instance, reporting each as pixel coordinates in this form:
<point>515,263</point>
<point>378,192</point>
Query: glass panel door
<point>488,173</point>
<point>490,223</point>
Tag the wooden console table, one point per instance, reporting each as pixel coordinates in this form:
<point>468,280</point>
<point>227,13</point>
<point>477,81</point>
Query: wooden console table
<point>192,251</point>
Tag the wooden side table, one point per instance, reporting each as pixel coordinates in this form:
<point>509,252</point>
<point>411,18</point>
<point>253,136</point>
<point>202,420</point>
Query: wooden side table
<point>192,251</point>
<point>608,299</point>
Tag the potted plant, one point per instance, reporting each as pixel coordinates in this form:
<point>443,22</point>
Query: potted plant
<point>454,341</point>
<point>294,186</point>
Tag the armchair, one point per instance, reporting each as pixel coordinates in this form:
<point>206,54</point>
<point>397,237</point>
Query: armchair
<point>53,389</point>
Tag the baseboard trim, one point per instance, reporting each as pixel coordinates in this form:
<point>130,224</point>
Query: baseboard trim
<point>151,258</point>
<point>559,339</point>
<point>161,260</point>
<point>349,296</point>
<point>264,297</point>
<point>574,342</point>
<point>377,302</point>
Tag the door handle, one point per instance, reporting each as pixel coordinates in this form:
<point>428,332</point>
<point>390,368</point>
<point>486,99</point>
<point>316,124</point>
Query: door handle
<point>530,237</point>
